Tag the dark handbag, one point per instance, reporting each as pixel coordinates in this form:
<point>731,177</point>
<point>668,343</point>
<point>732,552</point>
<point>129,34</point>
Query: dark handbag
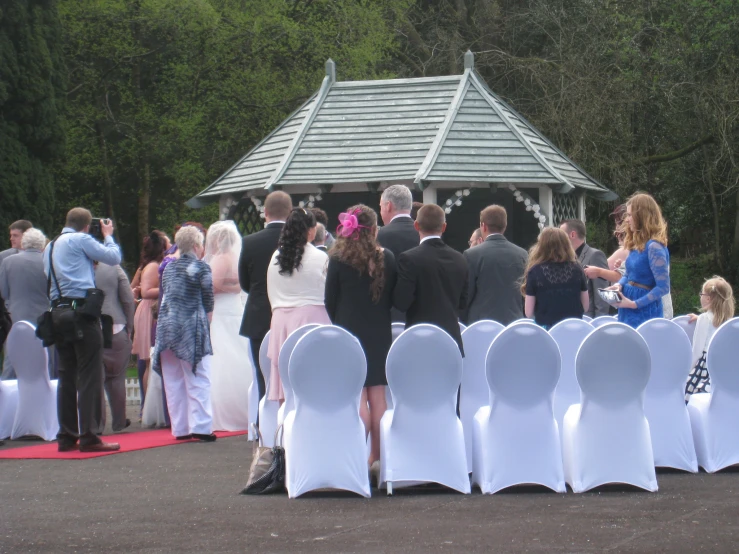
<point>267,471</point>
<point>45,323</point>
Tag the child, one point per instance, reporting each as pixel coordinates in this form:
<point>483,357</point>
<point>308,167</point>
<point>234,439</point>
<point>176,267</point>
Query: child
<point>717,305</point>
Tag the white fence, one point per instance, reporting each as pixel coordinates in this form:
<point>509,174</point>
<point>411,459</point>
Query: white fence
<point>133,396</point>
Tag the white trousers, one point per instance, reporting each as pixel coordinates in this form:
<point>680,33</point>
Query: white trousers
<point>188,395</point>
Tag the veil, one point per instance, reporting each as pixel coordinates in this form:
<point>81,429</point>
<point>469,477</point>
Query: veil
<point>223,238</point>
<point>222,251</point>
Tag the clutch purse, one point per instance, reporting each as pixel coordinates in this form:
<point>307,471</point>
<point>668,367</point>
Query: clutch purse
<point>267,471</point>
<point>610,296</point>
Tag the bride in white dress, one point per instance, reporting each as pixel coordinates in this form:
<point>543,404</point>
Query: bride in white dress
<point>231,371</point>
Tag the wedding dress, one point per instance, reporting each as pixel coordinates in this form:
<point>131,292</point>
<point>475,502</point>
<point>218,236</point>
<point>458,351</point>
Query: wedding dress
<point>231,371</point>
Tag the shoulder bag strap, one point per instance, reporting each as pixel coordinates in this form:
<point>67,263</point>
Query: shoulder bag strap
<point>52,272</point>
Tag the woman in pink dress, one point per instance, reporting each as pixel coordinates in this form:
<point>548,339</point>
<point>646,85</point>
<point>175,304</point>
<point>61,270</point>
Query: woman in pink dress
<point>151,255</point>
<point>296,282</point>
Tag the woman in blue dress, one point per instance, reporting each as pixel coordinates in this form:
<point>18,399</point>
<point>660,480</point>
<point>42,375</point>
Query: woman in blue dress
<point>647,277</point>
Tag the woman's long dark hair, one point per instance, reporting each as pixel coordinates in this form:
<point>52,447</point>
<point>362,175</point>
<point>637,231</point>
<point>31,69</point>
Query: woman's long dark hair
<point>154,246</point>
<point>293,239</point>
<point>360,249</point>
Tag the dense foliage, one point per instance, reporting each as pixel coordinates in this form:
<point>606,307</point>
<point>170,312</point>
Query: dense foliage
<point>164,95</point>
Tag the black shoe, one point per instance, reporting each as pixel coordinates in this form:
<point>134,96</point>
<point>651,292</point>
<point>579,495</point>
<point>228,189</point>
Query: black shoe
<point>126,425</point>
<point>67,446</point>
<point>204,438</point>
<point>183,438</point>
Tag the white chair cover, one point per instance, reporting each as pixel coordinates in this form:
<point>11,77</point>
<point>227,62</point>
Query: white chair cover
<point>664,400</point>
<point>569,335</point>
<point>324,436</point>
<point>516,439</point>
<point>714,416</point>
<point>267,408</point>
<point>421,438</point>
<point>606,437</point>
<point>36,411</point>
<point>282,363</point>
<point>587,318</point>
<point>602,320</point>
<point>8,406</point>
<point>474,393</point>
<point>253,396</point>
<point>462,327</point>
<point>684,322</point>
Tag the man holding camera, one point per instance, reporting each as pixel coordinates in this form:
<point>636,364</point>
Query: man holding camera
<point>76,305</point>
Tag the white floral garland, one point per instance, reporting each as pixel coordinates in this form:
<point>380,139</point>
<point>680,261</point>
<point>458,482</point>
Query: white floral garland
<point>531,205</point>
<point>308,202</point>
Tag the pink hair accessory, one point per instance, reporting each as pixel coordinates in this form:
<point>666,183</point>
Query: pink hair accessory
<point>348,224</point>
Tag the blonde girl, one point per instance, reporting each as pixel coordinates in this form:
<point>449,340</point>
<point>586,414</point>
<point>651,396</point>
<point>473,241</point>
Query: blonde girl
<point>717,305</point>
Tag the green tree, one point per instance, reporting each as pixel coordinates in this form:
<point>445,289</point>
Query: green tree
<point>31,92</point>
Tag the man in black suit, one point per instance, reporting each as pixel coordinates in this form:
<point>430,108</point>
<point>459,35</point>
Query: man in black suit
<point>496,269</point>
<point>256,252</point>
<point>399,234</point>
<point>588,256</point>
<point>432,277</point>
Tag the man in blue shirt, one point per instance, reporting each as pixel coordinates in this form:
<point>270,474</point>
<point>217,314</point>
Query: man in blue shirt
<point>78,336</point>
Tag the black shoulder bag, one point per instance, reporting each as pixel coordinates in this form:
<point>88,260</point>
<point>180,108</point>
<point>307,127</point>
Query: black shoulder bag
<point>45,323</point>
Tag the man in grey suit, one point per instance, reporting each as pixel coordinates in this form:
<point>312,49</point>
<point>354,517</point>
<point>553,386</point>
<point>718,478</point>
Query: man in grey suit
<point>496,269</point>
<point>120,306</point>
<point>23,285</point>
<point>588,256</point>
<point>17,228</point>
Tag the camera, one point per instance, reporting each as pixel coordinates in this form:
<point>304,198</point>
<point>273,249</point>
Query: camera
<point>95,228</point>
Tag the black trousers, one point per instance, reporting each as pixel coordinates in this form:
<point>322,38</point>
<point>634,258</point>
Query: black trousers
<point>79,400</point>
<point>256,345</point>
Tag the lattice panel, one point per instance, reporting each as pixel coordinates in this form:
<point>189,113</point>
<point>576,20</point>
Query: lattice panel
<point>246,216</point>
<point>564,207</point>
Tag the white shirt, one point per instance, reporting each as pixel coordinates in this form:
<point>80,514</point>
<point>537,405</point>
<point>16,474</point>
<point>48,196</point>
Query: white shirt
<point>400,215</point>
<point>704,330</point>
<point>429,238</point>
<point>305,287</point>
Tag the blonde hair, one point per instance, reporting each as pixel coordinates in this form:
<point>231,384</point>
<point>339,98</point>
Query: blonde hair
<point>721,303</point>
<point>553,245</point>
<point>648,223</point>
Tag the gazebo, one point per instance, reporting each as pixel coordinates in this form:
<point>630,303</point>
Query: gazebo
<point>450,139</point>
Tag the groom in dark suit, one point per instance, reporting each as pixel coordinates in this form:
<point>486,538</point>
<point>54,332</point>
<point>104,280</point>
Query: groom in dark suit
<point>256,252</point>
<point>432,277</point>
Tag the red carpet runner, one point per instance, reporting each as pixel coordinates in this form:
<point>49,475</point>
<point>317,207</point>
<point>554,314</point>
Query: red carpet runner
<point>129,442</point>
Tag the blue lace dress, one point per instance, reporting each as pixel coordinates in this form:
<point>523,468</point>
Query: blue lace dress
<point>650,268</point>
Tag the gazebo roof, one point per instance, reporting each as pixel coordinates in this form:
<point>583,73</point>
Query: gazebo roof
<point>421,131</point>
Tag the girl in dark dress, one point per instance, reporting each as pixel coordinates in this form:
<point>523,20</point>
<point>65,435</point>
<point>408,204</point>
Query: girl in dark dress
<point>359,291</point>
<point>554,284</point>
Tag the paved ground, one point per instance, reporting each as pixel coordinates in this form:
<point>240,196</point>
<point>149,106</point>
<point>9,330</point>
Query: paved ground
<point>185,499</point>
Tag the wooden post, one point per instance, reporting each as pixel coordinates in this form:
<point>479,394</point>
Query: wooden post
<point>429,195</point>
<point>547,204</point>
<point>581,206</point>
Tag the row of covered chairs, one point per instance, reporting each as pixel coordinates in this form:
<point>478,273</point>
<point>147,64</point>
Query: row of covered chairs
<point>28,404</point>
<point>578,405</point>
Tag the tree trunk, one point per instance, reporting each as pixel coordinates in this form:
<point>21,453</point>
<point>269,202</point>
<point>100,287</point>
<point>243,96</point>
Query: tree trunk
<point>107,184</point>
<point>143,215</point>
<point>735,247</point>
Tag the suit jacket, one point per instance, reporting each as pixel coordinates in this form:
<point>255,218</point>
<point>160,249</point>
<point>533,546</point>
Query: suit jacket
<point>256,252</point>
<point>596,258</point>
<point>118,302</point>
<point>398,236</point>
<point>23,285</point>
<point>432,286</point>
<point>496,269</point>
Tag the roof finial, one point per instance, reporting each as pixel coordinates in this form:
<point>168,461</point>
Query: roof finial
<point>469,60</point>
<point>331,70</point>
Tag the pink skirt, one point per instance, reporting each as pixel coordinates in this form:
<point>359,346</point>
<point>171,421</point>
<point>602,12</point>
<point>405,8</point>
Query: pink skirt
<point>284,322</point>
<point>142,322</point>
